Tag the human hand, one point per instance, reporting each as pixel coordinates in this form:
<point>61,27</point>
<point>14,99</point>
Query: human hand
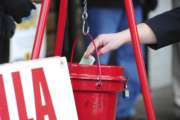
<point>17,8</point>
<point>106,42</point>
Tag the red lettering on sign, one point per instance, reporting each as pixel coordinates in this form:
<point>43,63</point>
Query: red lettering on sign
<point>4,113</point>
<point>19,96</point>
<point>39,81</point>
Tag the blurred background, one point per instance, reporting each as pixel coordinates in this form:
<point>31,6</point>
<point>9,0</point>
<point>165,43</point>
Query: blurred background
<point>160,63</point>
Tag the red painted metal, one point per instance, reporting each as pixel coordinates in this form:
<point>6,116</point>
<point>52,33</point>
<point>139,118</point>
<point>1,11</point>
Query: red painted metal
<point>95,88</point>
<point>139,60</point>
<point>98,103</point>
<point>94,102</point>
<point>40,29</point>
<point>63,5</point>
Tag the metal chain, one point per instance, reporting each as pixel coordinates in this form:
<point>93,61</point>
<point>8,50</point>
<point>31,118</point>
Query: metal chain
<point>85,26</point>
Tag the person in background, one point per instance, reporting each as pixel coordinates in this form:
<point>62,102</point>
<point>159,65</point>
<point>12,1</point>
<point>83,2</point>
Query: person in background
<point>157,32</point>
<point>108,16</point>
<point>11,11</point>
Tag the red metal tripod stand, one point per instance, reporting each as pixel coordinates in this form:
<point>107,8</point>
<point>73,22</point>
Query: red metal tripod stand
<point>59,43</point>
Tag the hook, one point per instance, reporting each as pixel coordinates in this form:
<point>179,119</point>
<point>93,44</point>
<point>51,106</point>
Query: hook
<point>85,28</point>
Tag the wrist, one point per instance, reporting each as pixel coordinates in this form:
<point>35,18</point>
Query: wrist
<point>124,36</point>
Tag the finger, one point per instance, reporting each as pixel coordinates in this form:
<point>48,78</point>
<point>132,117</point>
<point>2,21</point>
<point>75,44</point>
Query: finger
<point>89,50</point>
<point>105,49</point>
<point>91,47</point>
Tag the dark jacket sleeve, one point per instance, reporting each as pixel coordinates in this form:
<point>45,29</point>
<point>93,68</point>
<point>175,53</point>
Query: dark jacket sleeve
<point>7,28</point>
<point>166,28</point>
<point>11,10</point>
<point>17,8</point>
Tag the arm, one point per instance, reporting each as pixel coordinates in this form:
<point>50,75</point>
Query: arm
<point>159,31</point>
<point>108,42</point>
<point>166,28</point>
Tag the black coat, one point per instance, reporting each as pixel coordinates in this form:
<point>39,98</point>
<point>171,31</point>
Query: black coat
<point>11,11</point>
<point>7,28</point>
<point>166,28</point>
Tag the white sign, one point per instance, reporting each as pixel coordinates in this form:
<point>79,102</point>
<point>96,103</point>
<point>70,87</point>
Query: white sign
<point>36,90</point>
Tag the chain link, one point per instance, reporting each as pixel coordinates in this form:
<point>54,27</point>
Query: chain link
<point>85,26</point>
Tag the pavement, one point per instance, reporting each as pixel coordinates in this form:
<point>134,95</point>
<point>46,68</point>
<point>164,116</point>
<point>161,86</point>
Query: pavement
<point>163,104</point>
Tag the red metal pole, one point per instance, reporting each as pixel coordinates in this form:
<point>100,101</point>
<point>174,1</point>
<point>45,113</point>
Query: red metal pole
<point>63,5</point>
<point>41,28</point>
<point>139,60</point>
